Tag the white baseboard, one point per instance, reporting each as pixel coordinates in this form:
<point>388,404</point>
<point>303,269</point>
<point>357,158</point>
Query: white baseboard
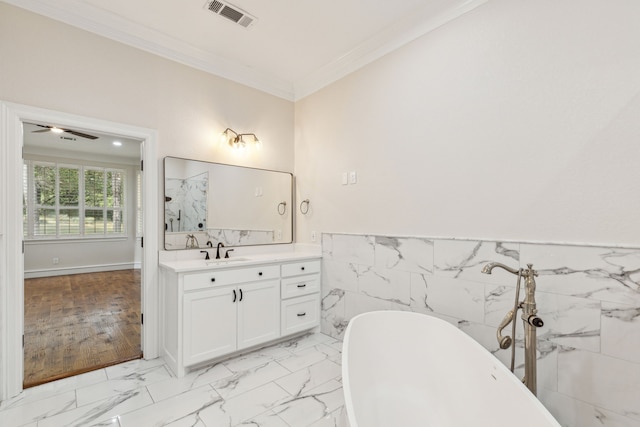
<point>32,274</point>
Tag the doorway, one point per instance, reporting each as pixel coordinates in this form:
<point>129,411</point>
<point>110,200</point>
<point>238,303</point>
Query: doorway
<point>81,223</point>
<point>12,119</point>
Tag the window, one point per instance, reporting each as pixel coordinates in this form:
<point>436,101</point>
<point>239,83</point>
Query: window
<point>63,200</point>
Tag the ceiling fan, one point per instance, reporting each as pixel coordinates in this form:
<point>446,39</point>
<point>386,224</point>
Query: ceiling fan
<point>60,130</point>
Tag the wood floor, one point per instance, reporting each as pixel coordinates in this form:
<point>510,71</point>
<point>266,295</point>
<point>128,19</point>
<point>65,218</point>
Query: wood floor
<point>78,323</point>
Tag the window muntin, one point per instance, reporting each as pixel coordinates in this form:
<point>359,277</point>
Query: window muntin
<point>63,201</point>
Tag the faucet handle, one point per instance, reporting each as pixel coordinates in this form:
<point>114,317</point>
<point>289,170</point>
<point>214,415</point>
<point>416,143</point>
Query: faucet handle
<point>226,254</point>
<point>207,254</point>
<point>534,320</point>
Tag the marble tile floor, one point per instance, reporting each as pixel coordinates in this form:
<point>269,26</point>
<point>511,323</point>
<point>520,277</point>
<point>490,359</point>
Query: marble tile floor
<point>295,383</point>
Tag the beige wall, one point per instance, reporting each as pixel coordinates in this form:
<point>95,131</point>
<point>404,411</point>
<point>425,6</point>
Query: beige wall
<point>55,66</point>
<point>516,121</point>
<point>51,65</point>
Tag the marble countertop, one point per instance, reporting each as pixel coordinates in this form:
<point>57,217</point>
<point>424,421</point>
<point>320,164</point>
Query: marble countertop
<point>187,265</point>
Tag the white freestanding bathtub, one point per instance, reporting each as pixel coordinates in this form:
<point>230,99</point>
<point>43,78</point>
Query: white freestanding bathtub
<point>412,370</point>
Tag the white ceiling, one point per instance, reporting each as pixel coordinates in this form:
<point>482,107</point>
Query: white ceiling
<point>39,140</point>
<point>293,49</point>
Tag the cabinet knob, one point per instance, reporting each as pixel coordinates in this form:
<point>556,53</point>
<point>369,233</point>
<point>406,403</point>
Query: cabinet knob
<point>260,273</point>
<point>213,279</point>
<point>302,268</point>
<point>302,314</point>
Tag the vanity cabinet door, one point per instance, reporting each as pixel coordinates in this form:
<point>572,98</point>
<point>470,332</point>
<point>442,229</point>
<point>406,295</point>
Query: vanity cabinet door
<point>209,324</point>
<point>258,313</point>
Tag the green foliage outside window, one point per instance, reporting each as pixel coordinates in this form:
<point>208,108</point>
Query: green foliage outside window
<point>70,200</point>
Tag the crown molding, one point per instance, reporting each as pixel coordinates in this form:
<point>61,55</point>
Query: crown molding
<point>92,19</point>
<point>393,38</point>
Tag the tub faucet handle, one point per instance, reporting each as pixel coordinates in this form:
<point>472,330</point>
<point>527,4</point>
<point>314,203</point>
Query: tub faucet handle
<point>535,321</point>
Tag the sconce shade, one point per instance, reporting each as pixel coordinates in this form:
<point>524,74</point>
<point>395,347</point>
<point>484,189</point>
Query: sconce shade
<point>228,136</point>
<point>239,140</point>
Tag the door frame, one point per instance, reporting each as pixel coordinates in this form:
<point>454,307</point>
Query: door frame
<point>11,240</point>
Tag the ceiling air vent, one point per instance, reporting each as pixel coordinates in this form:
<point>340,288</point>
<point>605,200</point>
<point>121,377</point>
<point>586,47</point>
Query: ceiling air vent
<point>230,12</point>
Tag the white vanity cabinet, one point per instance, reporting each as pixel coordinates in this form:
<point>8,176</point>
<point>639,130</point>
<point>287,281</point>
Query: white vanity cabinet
<point>209,313</point>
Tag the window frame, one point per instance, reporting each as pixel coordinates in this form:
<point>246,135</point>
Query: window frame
<point>30,226</point>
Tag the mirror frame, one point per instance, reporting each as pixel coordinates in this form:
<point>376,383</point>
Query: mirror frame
<point>203,245</point>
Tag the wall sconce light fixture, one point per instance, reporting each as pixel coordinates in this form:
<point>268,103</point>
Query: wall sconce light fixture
<point>240,140</point>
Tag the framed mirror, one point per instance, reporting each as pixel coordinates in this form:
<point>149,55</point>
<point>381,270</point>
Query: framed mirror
<point>206,203</point>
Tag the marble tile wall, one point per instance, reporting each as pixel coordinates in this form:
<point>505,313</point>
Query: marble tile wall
<point>227,237</point>
<point>589,298</point>
<point>179,240</point>
<point>187,208</point>
<point>241,237</point>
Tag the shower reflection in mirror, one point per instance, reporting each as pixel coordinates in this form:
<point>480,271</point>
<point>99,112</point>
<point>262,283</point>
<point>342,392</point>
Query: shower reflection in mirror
<point>185,205</point>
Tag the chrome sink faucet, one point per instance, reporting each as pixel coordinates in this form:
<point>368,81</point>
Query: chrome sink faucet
<point>530,320</point>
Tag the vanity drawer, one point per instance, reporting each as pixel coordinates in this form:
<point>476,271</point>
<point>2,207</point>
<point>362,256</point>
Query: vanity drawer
<point>299,286</point>
<point>229,277</point>
<point>300,313</point>
<point>302,267</point>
